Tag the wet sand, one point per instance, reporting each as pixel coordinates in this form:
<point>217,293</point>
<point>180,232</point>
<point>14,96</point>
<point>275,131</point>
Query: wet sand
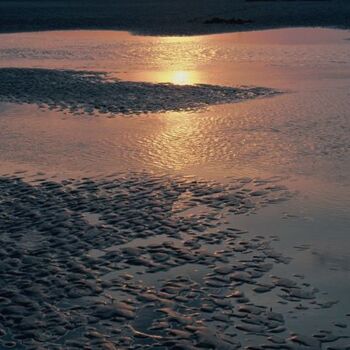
<point>94,93</point>
<point>142,261</point>
<point>80,259</point>
<point>219,226</point>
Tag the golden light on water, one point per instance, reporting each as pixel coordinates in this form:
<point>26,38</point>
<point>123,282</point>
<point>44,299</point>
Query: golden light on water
<point>181,78</point>
<point>177,77</point>
<point>176,59</point>
<point>174,145</point>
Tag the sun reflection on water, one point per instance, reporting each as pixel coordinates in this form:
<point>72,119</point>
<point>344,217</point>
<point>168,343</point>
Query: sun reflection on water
<point>181,77</point>
<point>175,143</point>
<point>176,60</point>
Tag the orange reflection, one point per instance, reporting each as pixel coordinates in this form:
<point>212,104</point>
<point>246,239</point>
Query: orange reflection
<point>173,147</point>
<point>177,77</point>
<point>180,77</point>
<point>176,60</point>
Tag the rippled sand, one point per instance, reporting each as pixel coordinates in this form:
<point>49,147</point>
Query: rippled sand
<point>93,93</point>
<point>80,259</point>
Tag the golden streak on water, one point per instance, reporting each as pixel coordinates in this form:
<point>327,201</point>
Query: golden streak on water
<point>176,59</point>
<point>173,145</point>
<point>177,77</point>
<point>180,77</point>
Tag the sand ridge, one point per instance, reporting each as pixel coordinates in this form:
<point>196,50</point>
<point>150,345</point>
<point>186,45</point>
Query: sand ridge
<point>92,92</point>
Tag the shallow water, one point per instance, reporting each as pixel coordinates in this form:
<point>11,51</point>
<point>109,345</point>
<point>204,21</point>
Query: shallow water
<point>304,131</point>
<point>301,135</point>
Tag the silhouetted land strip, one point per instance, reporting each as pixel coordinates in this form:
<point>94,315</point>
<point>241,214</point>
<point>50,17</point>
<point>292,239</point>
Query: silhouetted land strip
<point>219,20</point>
<point>168,17</point>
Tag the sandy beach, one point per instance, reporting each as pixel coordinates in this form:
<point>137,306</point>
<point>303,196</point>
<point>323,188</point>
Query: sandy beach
<point>174,192</point>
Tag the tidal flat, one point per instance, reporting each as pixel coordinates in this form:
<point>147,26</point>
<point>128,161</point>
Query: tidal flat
<point>175,192</point>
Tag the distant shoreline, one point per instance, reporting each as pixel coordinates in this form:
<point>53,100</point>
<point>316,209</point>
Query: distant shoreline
<point>167,17</point>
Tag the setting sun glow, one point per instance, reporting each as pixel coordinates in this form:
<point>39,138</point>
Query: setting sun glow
<point>181,77</point>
